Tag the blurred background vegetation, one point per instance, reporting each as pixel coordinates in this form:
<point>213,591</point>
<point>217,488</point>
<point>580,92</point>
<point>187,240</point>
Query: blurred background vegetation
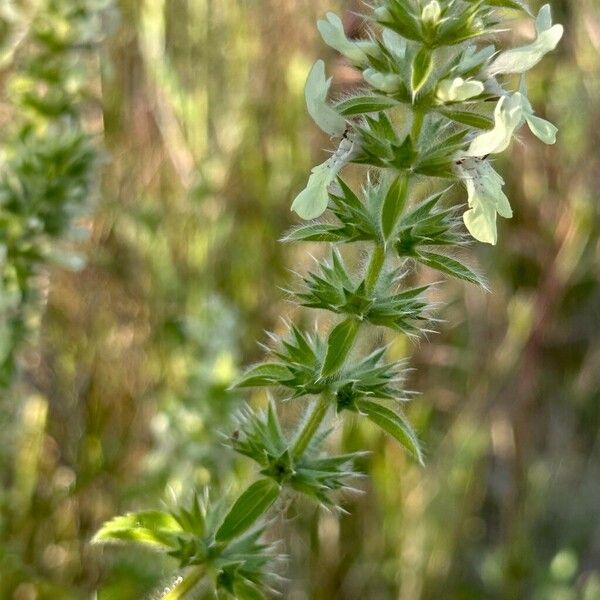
<point>118,399</point>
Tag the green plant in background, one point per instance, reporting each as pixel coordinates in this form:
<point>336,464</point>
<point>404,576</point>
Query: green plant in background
<point>438,105</point>
<point>48,158</point>
<point>48,176</point>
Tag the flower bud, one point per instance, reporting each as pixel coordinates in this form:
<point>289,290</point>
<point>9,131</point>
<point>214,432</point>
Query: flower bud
<point>431,13</point>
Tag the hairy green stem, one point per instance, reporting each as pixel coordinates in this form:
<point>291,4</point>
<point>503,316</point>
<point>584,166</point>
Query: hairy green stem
<point>311,426</point>
<point>417,124</point>
<point>374,268</point>
<point>186,585</point>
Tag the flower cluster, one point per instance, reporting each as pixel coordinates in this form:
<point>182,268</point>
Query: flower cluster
<point>437,102</point>
<point>452,90</point>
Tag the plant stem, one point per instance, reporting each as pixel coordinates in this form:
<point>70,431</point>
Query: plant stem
<point>374,269</point>
<point>311,426</point>
<point>185,585</point>
<point>417,124</point>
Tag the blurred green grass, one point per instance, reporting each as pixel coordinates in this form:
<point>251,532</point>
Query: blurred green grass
<point>204,124</point>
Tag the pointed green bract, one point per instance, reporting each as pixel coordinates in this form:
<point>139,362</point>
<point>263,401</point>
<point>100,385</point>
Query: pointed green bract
<point>359,105</point>
<point>421,68</point>
<point>251,505</point>
<point>393,423</point>
<point>393,205</point>
<point>340,342</point>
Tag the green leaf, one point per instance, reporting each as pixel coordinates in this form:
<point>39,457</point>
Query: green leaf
<point>393,205</point>
<point>263,374</point>
<point>149,528</point>
<point>359,105</point>
<point>393,423</point>
<point>450,266</point>
<point>469,118</point>
<point>399,18</point>
<point>253,503</point>
<point>315,232</point>
<point>404,154</point>
<point>246,591</point>
<point>340,342</point>
<point>421,68</point>
<point>514,4</point>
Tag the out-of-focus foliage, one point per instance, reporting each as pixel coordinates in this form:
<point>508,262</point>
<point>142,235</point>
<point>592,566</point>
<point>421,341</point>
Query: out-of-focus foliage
<point>48,159</point>
<point>204,120</point>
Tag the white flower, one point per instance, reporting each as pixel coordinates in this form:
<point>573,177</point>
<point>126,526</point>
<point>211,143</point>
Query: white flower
<point>542,129</point>
<point>508,116</point>
<point>485,198</point>
<point>458,90</point>
<point>510,113</point>
<point>332,31</point>
<point>395,43</point>
<point>386,82</point>
<point>472,57</point>
<point>312,201</point>
<point>520,60</point>
<point>315,92</point>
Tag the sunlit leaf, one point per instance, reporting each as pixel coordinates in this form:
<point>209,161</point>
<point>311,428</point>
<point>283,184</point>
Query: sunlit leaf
<point>249,507</point>
<point>364,104</point>
<point>340,342</point>
<point>421,68</point>
<point>263,374</point>
<point>149,528</point>
<point>450,266</point>
<point>393,423</point>
<point>393,205</point>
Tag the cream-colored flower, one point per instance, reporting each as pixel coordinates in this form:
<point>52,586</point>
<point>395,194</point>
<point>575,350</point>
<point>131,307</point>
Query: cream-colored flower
<point>542,129</point>
<point>386,82</point>
<point>520,60</point>
<point>511,112</point>
<point>508,117</point>
<point>332,31</point>
<point>458,90</point>
<point>395,43</point>
<point>312,201</point>
<point>315,93</point>
<point>485,198</point>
